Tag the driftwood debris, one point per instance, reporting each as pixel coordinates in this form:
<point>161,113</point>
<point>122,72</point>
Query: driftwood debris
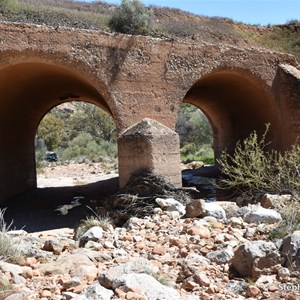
<point>137,198</point>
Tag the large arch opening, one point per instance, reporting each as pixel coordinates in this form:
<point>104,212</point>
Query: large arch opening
<point>75,145</point>
<point>235,103</point>
<point>27,92</point>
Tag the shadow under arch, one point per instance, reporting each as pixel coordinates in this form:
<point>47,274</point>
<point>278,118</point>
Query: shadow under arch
<point>235,103</point>
<point>27,92</point>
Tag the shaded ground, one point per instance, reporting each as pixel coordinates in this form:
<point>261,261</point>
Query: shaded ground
<point>35,210</point>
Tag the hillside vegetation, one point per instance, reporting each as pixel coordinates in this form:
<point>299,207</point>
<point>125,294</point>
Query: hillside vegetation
<point>166,22</point>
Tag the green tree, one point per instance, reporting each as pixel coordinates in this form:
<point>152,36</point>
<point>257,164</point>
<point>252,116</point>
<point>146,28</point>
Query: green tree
<point>50,130</point>
<point>90,119</point>
<point>132,17</point>
<point>193,126</point>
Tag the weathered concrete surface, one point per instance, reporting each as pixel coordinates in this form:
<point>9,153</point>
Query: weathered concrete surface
<point>134,77</point>
<point>287,94</point>
<point>149,145</point>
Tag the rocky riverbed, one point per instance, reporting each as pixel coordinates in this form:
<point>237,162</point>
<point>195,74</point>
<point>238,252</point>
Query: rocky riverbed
<point>213,251</point>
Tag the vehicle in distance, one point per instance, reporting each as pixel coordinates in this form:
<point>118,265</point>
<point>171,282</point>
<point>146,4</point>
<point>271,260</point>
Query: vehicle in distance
<point>51,156</point>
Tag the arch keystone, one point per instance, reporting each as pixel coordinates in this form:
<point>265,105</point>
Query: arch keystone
<point>149,145</point>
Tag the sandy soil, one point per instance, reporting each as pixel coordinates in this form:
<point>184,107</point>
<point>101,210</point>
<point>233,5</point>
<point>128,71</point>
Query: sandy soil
<point>72,175</point>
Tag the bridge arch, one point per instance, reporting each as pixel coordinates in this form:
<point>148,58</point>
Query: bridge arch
<point>28,91</point>
<point>236,103</point>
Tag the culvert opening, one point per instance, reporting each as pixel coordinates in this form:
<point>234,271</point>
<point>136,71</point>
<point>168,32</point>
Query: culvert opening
<point>75,145</point>
<point>236,103</point>
<point>29,90</point>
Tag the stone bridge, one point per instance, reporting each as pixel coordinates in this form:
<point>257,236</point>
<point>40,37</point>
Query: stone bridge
<point>133,77</point>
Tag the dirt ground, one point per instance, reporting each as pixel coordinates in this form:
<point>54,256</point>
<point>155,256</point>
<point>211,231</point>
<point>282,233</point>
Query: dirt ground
<point>36,210</point>
<point>73,174</point>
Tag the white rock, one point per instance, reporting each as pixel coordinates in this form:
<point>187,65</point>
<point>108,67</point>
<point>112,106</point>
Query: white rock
<point>171,204</point>
<point>229,207</point>
<point>80,297</point>
<point>153,289</point>
<point>215,210</point>
<point>98,292</point>
<point>10,268</point>
<point>283,273</point>
<point>262,215</point>
<point>236,221</point>
<point>93,234</point>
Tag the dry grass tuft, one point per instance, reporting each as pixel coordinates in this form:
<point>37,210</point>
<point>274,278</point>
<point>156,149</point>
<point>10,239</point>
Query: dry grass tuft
<point>290,220</point>
<point>91,221</point>
<point>9,246</point>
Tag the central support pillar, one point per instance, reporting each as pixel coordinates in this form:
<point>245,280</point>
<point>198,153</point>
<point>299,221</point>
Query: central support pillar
<point>149,145</point>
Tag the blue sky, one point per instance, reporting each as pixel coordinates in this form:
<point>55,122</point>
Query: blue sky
<point>260,12</point>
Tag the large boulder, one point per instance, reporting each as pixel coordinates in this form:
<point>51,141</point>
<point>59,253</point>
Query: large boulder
<point>262,215</point>
<point>255,257</point>
<point>290,248</point>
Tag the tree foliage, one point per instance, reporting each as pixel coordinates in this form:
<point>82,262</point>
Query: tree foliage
<point>195,135</point>
<point>87,132</point>
<point>193,126</point>
<point>95,121</point>
<point>50,131</point>
<point>131,17</point>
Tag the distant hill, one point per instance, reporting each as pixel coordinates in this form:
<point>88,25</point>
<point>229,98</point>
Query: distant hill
<point>168,22</point>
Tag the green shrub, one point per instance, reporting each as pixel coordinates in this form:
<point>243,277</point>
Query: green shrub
<point>10,6</point>
<point>192,152</point>
<point>253,170</point>
<point>132,17</point>
<point>84,147</point>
